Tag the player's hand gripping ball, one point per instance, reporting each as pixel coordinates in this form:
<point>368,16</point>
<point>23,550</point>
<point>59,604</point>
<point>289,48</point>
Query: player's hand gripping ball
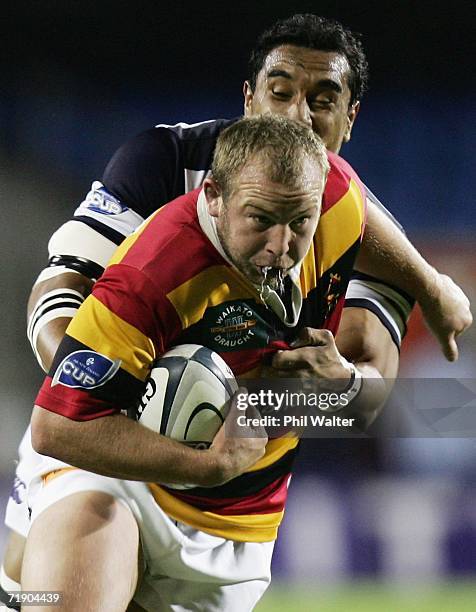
<point>187,395</point>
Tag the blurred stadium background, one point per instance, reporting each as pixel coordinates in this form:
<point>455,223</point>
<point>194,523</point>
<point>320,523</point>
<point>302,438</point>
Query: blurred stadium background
<point>371,524</point>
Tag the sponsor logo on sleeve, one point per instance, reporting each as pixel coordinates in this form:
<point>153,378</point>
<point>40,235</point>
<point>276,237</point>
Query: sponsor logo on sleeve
<point>85,370</point>
<point>100,200</point>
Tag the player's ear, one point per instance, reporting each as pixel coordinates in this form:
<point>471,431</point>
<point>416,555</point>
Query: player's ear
<point>247,98</point>
<point>212,192</point>
<point>351,117</point>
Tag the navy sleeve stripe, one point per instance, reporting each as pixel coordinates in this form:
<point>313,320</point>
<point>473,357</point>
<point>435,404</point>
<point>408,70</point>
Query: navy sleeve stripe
<point>102,229</point>
<point>368,305</point>
<point>66,304</point>
<point>66,295</point>
<point>367,277</point>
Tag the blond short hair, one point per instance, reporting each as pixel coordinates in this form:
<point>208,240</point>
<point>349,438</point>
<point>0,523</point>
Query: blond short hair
<point>284,144</point>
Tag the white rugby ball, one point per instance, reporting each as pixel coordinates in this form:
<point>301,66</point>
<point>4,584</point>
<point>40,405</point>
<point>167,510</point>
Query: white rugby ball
<point>187,395</point>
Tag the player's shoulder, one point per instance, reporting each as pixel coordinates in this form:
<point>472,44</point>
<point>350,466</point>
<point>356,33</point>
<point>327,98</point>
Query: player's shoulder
<point>202,130</point>
<point>164,136</point>
<point>339,167</point>
<point>158,164</point>
<point>157,247</point>
<point>342,180</point>
<point>196,142</point>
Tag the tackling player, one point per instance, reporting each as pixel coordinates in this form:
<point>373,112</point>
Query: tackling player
<point>306,68</point>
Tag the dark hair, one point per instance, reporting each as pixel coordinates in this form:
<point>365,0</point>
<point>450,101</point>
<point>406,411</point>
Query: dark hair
<point>313,32</point>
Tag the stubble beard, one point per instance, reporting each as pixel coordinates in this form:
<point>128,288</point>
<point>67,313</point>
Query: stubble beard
<point>272,281</point>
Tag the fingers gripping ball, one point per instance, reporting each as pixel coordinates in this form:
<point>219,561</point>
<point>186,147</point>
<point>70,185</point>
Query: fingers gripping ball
<point>187,395</point>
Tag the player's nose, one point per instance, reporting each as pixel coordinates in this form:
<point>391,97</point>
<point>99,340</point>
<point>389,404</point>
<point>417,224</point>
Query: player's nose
<point>278,240</point>
<point>300,112</point>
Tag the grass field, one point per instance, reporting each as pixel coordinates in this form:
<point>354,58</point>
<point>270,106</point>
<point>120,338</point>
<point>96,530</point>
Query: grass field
<point>372,597</point>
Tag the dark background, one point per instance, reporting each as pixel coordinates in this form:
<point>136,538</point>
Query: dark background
<point>80,77</point>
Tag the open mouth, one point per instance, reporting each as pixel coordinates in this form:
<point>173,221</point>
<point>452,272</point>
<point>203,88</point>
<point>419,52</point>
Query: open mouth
<point>269,271</point>
<point>265,270</point>
<point>272,276</point>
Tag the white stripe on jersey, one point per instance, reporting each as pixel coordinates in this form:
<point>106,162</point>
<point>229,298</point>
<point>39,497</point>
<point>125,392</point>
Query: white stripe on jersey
<point>53,271</point>
<point>55,304</point>
<point>393,307</point>
<point>52,300</point>
<point>184,125</point>
<point>380,288</point>
<point>79,240</point>
<point>57,313</point>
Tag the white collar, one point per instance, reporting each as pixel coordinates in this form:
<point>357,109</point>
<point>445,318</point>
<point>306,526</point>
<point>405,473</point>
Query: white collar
<point>269,297</point>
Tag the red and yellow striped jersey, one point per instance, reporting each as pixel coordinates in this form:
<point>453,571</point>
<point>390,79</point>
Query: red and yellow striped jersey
<point>168,285</point>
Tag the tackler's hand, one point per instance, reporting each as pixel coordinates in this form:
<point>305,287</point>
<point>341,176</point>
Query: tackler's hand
<point>447,313</point>
<point>313,354</point>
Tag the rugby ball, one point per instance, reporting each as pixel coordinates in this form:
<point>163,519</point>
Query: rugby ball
<point>187,395</point>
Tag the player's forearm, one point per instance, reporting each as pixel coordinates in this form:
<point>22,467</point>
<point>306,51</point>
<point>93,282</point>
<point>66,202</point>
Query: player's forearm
<point>371,388</point>
<point>387,254</point>
<point>371,399</point>
<point>118,447</point>
<point>51,306</point>
<point>365,341</point>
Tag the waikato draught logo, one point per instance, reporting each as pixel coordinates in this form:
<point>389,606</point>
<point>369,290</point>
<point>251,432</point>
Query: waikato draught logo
<point>235,326</point>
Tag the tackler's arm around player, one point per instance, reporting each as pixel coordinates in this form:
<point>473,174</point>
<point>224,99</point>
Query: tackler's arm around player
<point>78,255</point>
<point>388,255</point>
<point>52,304</point>
<point>314,355</point>
<point>365,342</point>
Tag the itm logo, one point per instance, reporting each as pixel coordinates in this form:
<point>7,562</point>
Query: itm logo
<point>234,326</point>
<point>85,369</point>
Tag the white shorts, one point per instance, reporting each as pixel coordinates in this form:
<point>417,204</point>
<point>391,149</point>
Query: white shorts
<point>185,569</point>
<point>17,514</point>
<point>30,465</point>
